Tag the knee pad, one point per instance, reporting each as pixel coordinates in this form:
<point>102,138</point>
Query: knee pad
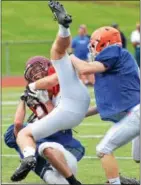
<point>71,161</point>
<point>53,177</point>
<point>45,145</point>
<point>99,154</point>
<point>102,150</point>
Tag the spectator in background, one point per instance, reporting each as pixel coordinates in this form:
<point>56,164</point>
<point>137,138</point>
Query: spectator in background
<point>123,38</point>
<point>135,40</point>
<point>80,49</point>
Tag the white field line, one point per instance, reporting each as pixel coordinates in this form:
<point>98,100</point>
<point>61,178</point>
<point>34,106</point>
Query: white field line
<point>6,119</point>
<point>8,116</point>
<point>93,100</point>
<point>117,157</point>
<point>18,94</point>
<point>98,124</point>
<point>21,183</point>
<point>11,94</point>
<point>85,157</point>
<point>85,136</point>
<point>90,136</point>
<point>5,103</point>
<point>86,124</point>
<point>10,183</point>
<point>4,108</point>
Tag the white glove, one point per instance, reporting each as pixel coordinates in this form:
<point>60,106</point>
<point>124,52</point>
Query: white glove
<point>42,96</point>
<point>31,90</point>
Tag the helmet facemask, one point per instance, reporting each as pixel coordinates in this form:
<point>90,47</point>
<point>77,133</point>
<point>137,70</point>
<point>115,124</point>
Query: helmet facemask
<point>93,49</point>
<point>35,72</point>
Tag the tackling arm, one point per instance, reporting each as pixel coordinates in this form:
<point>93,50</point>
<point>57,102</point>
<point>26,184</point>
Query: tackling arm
<point>92,111</point>
<point>87,68</point>
<point>19,117</point>
<point>46,82</point>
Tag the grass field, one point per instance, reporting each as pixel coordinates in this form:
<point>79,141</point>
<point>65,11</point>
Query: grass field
<point>89,169</point>
<point>32,20</point>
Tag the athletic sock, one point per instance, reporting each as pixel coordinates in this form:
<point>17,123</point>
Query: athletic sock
<point>63,32</point>
<point>115,181</point>
<point>29,151</point>
<point>72,180</point>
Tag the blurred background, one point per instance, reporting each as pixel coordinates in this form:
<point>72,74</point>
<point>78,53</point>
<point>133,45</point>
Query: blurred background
<point>28,29</point>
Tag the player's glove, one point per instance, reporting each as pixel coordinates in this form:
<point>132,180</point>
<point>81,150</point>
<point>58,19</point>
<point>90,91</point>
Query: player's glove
<point>41,95</point>
<point>24,96</point>
<point>31,90</point>
<point>30,101</point>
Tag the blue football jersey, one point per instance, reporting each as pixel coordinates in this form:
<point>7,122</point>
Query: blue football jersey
<point>62,137</point>
<point>117,89</point>
<point>80,47</point>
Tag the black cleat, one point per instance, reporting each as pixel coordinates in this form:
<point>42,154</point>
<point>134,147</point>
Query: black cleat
<point>127,180</point>
<point>60,13</point>
<point>78,183</point>
<point>27,164</point>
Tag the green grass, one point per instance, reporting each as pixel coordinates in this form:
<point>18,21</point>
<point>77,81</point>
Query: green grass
<point>89,170</point>
<point>32,20</point>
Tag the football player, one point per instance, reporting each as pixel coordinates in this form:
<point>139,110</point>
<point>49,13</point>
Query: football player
<point>60,149</point>
<point>135,152</point>
<point>117,93</point>
<point>74,101</point>
<point>53,147</point>
<point>136,149</point>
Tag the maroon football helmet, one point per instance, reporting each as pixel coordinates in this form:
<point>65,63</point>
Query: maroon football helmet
<point>36,68</point>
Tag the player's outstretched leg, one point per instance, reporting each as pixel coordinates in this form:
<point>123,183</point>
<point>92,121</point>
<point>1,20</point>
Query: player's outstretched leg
<point>73,114</point>
<point>60,13</point>
<point>62,62</point>
<point>120,134</point>
<point>62,42</point>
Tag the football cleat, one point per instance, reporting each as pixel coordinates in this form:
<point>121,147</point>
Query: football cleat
<point>60,13</point>
<point>27,164</point>
<point>78,183</point>
<point>127,180</point>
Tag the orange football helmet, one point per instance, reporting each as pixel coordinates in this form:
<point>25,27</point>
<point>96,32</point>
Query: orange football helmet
<point>104,37</point>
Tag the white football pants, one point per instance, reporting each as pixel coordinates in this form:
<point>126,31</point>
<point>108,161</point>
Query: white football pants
<point>136,149</point>
<point>73,104</point>
<point>121,133</point>
<point>53,176</point>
